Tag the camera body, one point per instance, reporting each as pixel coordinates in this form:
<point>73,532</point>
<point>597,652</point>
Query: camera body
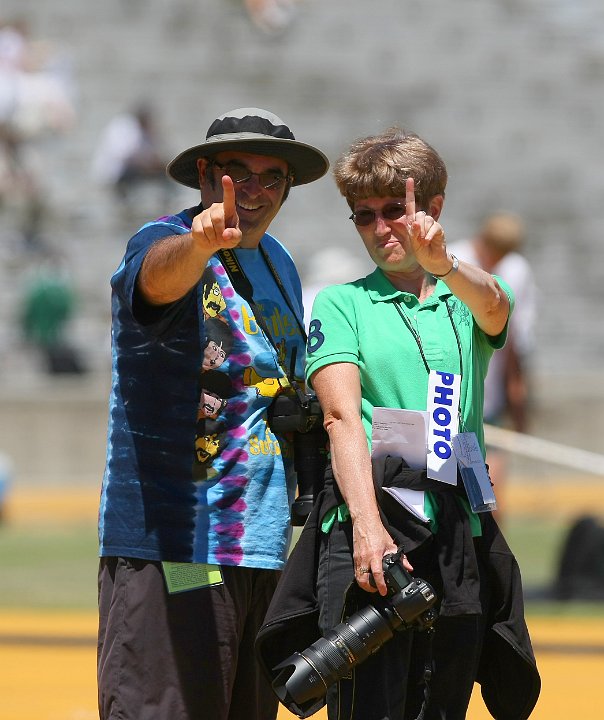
<point>395,575</point>
<point>296,412</point>
<point>300,414</point>
<point>302,680</point>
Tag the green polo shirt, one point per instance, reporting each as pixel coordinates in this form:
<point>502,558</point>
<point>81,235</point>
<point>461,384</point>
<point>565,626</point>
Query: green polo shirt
<point>359,323</point>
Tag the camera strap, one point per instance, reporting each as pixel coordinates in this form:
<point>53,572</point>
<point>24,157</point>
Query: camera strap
<point>244,287</point>
<point>273,270</point>
<point>427,674</point>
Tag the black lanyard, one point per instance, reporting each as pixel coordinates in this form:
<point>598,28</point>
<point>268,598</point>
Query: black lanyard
<point>243,287</point>
<point>418,339</point>
<point>277,279</point>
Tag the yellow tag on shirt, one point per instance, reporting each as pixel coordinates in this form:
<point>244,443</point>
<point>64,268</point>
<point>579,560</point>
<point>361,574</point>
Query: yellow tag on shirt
<point>181,577</point>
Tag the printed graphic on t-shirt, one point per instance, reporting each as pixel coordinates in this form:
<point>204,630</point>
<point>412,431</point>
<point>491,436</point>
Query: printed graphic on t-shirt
<point>239,377</point>
<point>464,316</point>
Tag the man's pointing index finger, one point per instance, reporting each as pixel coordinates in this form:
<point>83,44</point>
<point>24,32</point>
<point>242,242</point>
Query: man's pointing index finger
<point>228,201</point>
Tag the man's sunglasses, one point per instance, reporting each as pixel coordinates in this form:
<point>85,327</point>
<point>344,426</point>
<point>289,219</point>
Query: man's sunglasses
<point>366,216</point>
<point>269,180</point>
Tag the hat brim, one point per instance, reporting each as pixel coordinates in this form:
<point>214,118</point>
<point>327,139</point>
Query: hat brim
<point>305,161</point>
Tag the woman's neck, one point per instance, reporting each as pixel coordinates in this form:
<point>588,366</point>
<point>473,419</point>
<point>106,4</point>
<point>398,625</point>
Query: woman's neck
<point>417,282</point>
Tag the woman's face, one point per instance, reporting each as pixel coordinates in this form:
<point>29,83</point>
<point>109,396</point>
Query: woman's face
<point>386,237</point>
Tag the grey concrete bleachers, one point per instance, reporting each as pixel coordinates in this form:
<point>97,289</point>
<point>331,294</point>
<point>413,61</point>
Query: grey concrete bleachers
<point>508,91</point>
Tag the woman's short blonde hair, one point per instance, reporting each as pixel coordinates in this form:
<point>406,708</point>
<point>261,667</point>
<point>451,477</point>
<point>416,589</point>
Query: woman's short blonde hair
<point>379,165</point>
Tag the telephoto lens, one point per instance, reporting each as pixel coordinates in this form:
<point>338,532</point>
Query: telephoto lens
<point>302,680</point>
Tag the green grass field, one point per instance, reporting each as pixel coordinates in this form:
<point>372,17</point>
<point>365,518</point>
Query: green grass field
<point>52,565</point>
<point>48,567</point>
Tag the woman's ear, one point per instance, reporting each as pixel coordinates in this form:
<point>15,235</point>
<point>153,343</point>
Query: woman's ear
<point>435,206</point>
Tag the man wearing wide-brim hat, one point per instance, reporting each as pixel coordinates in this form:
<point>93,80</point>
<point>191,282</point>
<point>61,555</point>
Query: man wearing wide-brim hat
<point>207,328</point>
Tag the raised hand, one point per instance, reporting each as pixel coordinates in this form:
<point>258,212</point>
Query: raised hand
<point>426,235</point>
<point>217,227</point>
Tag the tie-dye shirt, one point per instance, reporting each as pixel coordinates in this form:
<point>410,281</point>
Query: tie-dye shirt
<point>194,473</point>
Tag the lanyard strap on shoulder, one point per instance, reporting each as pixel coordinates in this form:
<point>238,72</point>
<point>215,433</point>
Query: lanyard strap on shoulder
<point>244,287</point>
<point>276,277</point>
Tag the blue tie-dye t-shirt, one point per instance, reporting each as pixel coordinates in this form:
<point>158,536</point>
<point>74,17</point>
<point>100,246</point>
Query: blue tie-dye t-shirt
<point>193,472</point>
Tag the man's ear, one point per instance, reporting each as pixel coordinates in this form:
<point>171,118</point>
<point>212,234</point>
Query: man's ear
<point>202,169</point>
<point>435,206</point>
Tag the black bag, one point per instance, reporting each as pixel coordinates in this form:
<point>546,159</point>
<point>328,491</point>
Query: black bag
<point>581,566</point>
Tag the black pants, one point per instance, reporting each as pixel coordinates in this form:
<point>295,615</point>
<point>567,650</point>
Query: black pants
<point>390,684</point>
<point>187,656</point>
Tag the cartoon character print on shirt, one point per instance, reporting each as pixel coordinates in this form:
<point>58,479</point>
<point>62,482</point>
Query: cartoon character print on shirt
<point>210,405</point>
<point>219,456</point>
<point>229,371</point>
<point>206,448</point>
<point>218,345</point>
<point>216,389</point>
<point>265,387</point>
<point>268,386</point>
<point>213,300</point>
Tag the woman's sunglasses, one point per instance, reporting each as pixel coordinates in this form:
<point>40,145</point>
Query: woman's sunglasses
<point>366,216</point>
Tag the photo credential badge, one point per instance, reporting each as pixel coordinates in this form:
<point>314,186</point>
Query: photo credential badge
<point>474,473</point>
<point>443,423</point>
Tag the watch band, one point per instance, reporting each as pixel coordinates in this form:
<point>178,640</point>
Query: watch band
<point>452,269</point>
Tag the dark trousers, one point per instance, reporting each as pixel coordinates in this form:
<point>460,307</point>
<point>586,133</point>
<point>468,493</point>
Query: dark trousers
<point>187,656</point>
<point>390,684</point>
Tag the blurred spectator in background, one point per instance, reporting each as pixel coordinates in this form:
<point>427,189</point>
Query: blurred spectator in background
<point>6,477</point>
<point>496,248</point>
<point>49,302</point>
<point>271,16</point>
<point>36,102</point>
<point>129,157</point>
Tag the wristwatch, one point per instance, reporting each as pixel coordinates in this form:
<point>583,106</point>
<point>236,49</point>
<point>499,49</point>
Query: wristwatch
<point>452,269</point>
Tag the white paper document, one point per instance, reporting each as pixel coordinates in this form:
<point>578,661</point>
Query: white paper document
<point>411,500</point>
<point>402,433</point>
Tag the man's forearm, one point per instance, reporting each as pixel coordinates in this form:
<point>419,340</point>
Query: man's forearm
<point>171,268</point>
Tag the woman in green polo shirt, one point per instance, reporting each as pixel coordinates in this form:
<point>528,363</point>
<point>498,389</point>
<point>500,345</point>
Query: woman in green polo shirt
<point>373,343</point>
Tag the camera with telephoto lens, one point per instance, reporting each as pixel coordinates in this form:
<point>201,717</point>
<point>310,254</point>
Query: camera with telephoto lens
<point>300,414</point>
<point>302,680</point>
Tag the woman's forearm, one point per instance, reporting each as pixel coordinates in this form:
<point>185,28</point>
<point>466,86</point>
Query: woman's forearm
<point>483,295</point>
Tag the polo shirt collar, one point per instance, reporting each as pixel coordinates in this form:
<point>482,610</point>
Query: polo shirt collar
<point>380,289</point>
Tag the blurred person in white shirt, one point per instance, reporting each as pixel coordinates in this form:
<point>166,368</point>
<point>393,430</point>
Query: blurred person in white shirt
<point>496,248</point>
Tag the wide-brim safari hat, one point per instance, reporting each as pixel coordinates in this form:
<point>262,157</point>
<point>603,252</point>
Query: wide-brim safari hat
<point>256,131</point>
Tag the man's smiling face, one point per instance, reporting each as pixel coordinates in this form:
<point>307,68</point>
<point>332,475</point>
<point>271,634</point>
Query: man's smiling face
<point>256,205</point>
